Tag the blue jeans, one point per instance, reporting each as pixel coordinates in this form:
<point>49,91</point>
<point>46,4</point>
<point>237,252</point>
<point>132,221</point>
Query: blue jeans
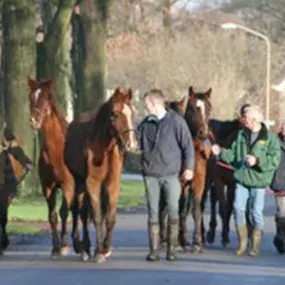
<point>170,185</point>
<point>255,198</point>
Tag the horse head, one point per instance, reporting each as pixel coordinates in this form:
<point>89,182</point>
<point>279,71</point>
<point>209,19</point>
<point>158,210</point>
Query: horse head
<point>40,99</point>
<point>114,120</point>
<point>177,106</point>
<point>122,117</point>
<point>197,113</point>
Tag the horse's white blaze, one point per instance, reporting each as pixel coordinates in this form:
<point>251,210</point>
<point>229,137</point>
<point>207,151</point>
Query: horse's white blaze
<point>201,105</point>
<point>37,94</point>
<point>127,111</point>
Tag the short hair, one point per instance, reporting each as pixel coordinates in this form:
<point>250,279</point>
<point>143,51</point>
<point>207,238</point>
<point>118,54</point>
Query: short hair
<point>254,112</point>
<point>155,94</point>
<point>243,109</point>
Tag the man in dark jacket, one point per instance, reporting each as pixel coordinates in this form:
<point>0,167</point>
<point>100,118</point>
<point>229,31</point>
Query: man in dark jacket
<point>255,155</point>
<point>278,186</point>
<point>167,146</point>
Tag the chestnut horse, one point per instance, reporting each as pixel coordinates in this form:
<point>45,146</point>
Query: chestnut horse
<point>46,118</point>
<point>95,146</point>
<point>198,108</point>
<point>16,165</point>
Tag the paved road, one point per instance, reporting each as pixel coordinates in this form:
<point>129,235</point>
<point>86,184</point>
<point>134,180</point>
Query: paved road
<point>29,263</point>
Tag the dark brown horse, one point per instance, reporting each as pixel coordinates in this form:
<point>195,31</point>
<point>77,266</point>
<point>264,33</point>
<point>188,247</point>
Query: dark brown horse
<point>14,164</point>
<point>94,152</point>
<point>197,112</point>
<point>221,180</point>
<point>53,173</point>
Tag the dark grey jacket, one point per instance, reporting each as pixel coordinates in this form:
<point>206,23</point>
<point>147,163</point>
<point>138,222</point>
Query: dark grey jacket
<point>278,183</point>
<point>166,145</point>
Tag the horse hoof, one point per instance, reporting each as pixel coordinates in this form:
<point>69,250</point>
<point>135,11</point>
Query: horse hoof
<point>77,247</point>
<point>108,253</point>
<point>197,249</point>
<point>64,251</point>
<point>186,248</point>
<point>55,256</point>
<point>226,244</point>
<point>100,258</point>
<point>210,238</point>
<point>84,256</point>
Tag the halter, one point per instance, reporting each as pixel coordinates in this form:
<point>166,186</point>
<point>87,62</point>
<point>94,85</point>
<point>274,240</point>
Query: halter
<point>122,144</point>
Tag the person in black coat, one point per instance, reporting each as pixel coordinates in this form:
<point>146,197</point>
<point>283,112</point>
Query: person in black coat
<point>278,186</point>
<point>9,147</point>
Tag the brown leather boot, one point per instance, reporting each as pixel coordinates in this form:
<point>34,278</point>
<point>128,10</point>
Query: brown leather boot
<point>243,240</point>
<point>256,239</point>
<point>153,234</point>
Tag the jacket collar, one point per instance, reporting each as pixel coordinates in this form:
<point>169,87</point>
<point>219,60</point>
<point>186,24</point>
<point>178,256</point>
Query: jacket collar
<point>262,135</point>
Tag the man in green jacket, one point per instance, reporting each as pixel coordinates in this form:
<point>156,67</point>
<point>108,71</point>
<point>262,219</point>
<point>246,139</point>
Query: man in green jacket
<point>255,155</point>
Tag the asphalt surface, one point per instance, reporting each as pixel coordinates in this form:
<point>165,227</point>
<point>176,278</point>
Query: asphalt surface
<point>28,261</point>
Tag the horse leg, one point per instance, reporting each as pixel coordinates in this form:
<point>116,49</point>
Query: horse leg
<point>227,215</point>
<point>184,207</point>
<point>213,221</point>
<point>75,231</point>
<point>203,206</point>
<point>4,241</point>
<point>113,190</point>
<point>198,185</point>
<point>94,191</point>
<point>50,195</point>
<point>84,210</point>
<point>67,200</point>
<point>162,219</point>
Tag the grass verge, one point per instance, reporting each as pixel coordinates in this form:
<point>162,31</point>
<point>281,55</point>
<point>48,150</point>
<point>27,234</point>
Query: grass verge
<point>35,209</point>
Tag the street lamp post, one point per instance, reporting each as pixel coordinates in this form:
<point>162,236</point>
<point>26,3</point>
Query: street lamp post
<point>233,26</point>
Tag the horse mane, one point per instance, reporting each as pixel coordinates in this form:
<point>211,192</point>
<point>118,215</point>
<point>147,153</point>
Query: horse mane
<point>100,133</point>
<point>224,131</point>
<point>56,111</point>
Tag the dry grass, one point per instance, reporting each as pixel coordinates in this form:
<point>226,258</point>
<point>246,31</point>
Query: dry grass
<point>232,64</point>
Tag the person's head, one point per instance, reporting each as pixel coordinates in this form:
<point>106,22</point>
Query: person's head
<point>253,117</point>
<point>154,101</point>
<point>243,109</point>
<point>241,116</point>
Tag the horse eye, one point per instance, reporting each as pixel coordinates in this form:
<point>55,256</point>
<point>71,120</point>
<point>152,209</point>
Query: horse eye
<point>114,117</point>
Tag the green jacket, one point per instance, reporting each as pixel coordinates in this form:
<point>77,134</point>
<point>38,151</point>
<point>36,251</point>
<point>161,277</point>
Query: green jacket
<point>266,149</point>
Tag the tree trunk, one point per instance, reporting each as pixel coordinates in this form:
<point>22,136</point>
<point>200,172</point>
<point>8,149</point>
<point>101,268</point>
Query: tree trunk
<point>2,113</point>
<point>54,54</point>
<point>95,16</point>
<point>78,61</point>
<point>167,20</point>
<point>19,17</point>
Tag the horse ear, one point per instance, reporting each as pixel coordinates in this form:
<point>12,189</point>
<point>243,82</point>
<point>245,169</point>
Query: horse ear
<point>32,83</point>
<point>191,92</point>
<point>208,93</point>
<point>181,102</point>
<point>47,83</point>
<point>129,96</point>
<point>116,93</point>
